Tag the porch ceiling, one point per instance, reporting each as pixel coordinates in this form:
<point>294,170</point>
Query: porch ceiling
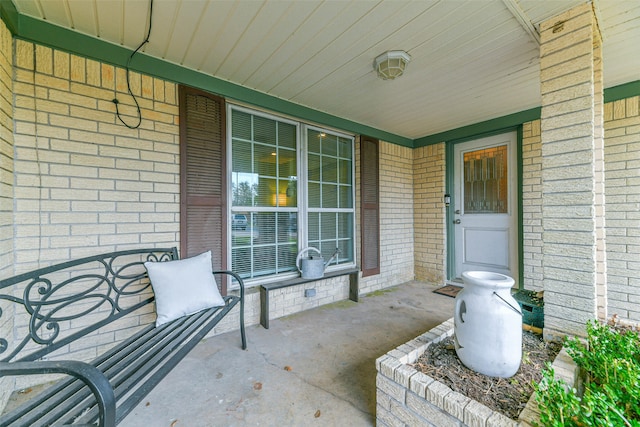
<point>471,60</point>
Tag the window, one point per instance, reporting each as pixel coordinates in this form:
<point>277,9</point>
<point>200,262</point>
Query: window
<point>485,181</point>
<point>291,187</point>
<point>330,188</point>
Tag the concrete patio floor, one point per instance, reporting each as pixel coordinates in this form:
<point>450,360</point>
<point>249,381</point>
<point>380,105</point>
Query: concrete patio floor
<point>313,368</point>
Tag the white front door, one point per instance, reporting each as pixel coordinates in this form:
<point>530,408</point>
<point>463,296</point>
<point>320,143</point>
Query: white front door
<point>486,205</point>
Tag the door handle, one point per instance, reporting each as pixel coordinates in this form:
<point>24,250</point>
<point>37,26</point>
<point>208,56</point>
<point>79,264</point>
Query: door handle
<point>457,221</point>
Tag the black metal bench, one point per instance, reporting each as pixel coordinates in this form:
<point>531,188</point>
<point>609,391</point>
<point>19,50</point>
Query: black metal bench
<point>104,292</point>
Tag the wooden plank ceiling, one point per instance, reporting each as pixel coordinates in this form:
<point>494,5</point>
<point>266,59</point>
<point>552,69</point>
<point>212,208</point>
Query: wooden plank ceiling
<point>471,60</point>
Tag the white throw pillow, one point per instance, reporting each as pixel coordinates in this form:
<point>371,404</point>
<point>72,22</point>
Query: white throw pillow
<point>183,287</point>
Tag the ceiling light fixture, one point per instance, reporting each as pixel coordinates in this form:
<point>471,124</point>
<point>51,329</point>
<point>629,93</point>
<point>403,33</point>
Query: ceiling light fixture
<point>391,64</point>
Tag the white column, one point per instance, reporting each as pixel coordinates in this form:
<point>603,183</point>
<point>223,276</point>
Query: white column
<point>572,133</point>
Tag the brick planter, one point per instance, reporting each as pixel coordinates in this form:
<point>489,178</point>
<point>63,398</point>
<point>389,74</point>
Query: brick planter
<point>405,396</point>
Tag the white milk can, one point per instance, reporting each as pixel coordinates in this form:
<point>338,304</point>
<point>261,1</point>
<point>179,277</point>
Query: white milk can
<point>488,324</point>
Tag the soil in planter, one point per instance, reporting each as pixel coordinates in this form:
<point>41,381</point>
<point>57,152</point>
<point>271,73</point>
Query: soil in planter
<point>506,395</point>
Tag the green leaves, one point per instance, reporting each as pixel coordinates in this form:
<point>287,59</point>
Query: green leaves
<point>558,403</point>
<point>610,360</point>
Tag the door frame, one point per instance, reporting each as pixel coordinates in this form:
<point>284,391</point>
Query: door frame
<point>449,188</point>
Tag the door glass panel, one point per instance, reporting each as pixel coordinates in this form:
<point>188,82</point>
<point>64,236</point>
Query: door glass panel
<point>485,181</point>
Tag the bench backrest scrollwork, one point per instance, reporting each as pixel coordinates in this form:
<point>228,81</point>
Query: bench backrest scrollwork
<point>57,305</point>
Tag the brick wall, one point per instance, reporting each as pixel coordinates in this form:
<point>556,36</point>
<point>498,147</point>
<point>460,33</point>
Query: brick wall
<point>396,219</point>
<point>84,183</point>
<point>599,174</point>
<point>6,148</point>
<point>429,213</point>
<point>90,184</point>
<point>622,186</point>
<point>622,189</point>
<point>532,205</point>
<point>572,165</point>
<point>6,184</point>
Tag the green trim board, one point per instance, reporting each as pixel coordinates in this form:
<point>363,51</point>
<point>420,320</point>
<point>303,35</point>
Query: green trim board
<point>520,180</point>
<point>626,90</point>
<point>478,130</point>
<point>497,125</point>
<point>9,15</point>
<point>47,34</point>
<point>450,232</point>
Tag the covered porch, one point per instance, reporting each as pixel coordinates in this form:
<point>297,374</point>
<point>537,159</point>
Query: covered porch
<point>79,177</point>
<point>312,368</point>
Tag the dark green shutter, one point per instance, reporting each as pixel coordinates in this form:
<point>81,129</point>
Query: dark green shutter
<point>370,205</point>
<point>203,213</point>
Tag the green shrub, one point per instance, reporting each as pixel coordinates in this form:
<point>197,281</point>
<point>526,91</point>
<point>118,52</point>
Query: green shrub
<point>610,361</point>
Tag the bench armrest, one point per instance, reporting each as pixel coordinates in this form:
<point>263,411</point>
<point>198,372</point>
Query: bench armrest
<point>241,284</point>
<point>88,374</point>
<point>235,276</point>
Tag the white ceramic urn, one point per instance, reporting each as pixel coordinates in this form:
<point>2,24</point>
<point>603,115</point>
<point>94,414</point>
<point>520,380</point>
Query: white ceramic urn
<point>488,324</point>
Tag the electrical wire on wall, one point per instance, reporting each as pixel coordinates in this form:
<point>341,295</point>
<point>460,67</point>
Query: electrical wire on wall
<point>115,100</point>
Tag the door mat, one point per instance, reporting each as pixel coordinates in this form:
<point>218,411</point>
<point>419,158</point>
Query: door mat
<point>449,290</point>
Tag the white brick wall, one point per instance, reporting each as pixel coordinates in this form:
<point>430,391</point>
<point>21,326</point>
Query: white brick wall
<point>599,175</point>
<point>429,213</point>
<point>6,187</point>
<point>622,170</point>
<point>396,218</point>
<point>532,206</point>
<point>572,165</point>
<point>90,184</point>
<point>622,187</point>
<point>84,183</point>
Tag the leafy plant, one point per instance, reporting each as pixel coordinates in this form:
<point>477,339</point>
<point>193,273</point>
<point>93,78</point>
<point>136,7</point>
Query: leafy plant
<point>610,359</point>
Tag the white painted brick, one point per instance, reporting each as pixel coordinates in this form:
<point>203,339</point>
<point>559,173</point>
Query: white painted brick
<point>400,355</point>
<point>476,414</point>
<point>390,388</point>
<point>381,360</point>
<point>388,366</point>
<point>499,420</point>
<point>403,374</point>
<point>565,168</point>
<point>430,412</point>
<point>561,83</point>
<point>386,418</point>
<point>455,403</point>
<point>419,383</point>
<point>529,416</point>
<point>436,393</point>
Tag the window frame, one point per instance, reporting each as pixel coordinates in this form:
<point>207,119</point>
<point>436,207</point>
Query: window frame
<point>302,208</point>
<point>352,210</point>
